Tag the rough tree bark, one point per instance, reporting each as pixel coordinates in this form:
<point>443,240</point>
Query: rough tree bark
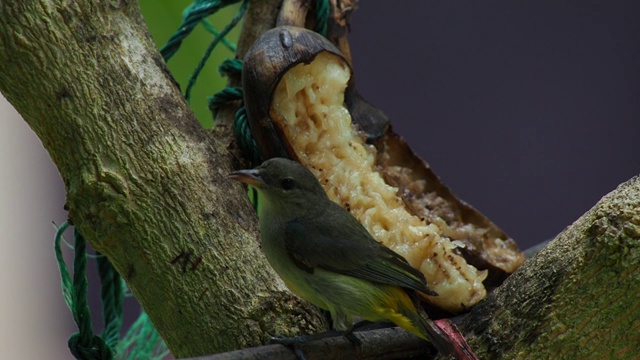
<point>145,184</point>
<point>578,298</point>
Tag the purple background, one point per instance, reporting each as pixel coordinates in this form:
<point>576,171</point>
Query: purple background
<point>527,110</point>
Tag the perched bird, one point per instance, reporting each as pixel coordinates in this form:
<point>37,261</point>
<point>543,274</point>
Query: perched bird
<point>327,257</point>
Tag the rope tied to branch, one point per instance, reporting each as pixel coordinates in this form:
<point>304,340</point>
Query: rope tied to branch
<point>233,67</point>
<point>193,15</point>
<point>84,344</point>
<point>323,11</point>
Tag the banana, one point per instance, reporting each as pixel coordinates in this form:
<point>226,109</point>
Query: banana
<point>301,104</point>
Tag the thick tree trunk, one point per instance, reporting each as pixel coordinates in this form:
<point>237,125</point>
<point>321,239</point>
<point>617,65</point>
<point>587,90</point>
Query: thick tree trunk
<point>145,185</point>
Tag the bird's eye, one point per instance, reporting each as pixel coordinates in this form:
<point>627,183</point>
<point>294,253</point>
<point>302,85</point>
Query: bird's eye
<point>287,183</point>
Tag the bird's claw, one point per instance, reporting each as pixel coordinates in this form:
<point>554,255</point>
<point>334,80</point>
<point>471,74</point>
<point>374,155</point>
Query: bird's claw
<point>287,341</point>
<point>353,339</point>
<point>295,343</point>
<point>291,342</point>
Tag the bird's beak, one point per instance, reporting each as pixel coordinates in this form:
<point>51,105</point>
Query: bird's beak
<point>251,177</point>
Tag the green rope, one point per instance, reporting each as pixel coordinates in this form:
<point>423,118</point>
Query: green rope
<point>112,295</point>
<point>323,11</point>
<point>192,16</point>
<point>226,42</point>
<point>142,341</point>
<point>243,134</point>
<point>83,344</point>
<point>67,285</point>
<point>230,67</point>
<point>223,97</point>
<point>233,67</point>
<point>214,43</point>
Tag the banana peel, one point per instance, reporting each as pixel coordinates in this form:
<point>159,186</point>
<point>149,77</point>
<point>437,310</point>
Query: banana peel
<point>302,104</point>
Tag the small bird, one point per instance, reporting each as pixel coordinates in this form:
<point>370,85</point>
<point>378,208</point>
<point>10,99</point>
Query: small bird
<point>327,257</point>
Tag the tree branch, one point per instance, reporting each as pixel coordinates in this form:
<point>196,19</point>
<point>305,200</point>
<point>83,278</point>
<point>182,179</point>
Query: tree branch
<point>145,185</point>
<point>577,298</point>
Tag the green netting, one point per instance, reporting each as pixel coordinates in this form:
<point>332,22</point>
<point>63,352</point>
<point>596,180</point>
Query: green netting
<point>142,341</point>
<point>193,15</point>
<point>214,43</point>
<point>85,344</point>
<point>323,9</point>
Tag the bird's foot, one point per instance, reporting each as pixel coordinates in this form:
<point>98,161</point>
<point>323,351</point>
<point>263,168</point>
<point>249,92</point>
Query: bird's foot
<point>353,338</point>
<point>287,341</point>
<point>294,343</point>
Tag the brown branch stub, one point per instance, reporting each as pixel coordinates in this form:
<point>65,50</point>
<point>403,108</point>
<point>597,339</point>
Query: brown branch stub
<point>293,13</point>
<point>339,25</point>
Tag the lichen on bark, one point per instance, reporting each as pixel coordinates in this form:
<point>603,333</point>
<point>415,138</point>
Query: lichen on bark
<point>577,298</point>
<point>146,185</point>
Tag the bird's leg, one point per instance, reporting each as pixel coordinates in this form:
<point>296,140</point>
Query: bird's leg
<point>291,342</point>
<point>349,332</point>
<point>353,338</point>
<point>287,341</point>
<point>295,342</point>
<point>359,324</point>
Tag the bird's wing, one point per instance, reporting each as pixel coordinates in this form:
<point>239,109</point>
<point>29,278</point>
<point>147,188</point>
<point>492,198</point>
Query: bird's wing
<point>346,247</point>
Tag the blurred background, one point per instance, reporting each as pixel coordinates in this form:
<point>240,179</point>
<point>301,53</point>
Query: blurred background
<point>527,110</point>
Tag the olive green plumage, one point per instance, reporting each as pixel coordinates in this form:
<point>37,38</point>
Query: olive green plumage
<point>327,257</point>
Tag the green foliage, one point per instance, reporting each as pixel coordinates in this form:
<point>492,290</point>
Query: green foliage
<point>163,18</point>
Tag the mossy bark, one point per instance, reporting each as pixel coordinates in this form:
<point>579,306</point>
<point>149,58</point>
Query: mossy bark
<point>579,298</point>
<point>145,184</point>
